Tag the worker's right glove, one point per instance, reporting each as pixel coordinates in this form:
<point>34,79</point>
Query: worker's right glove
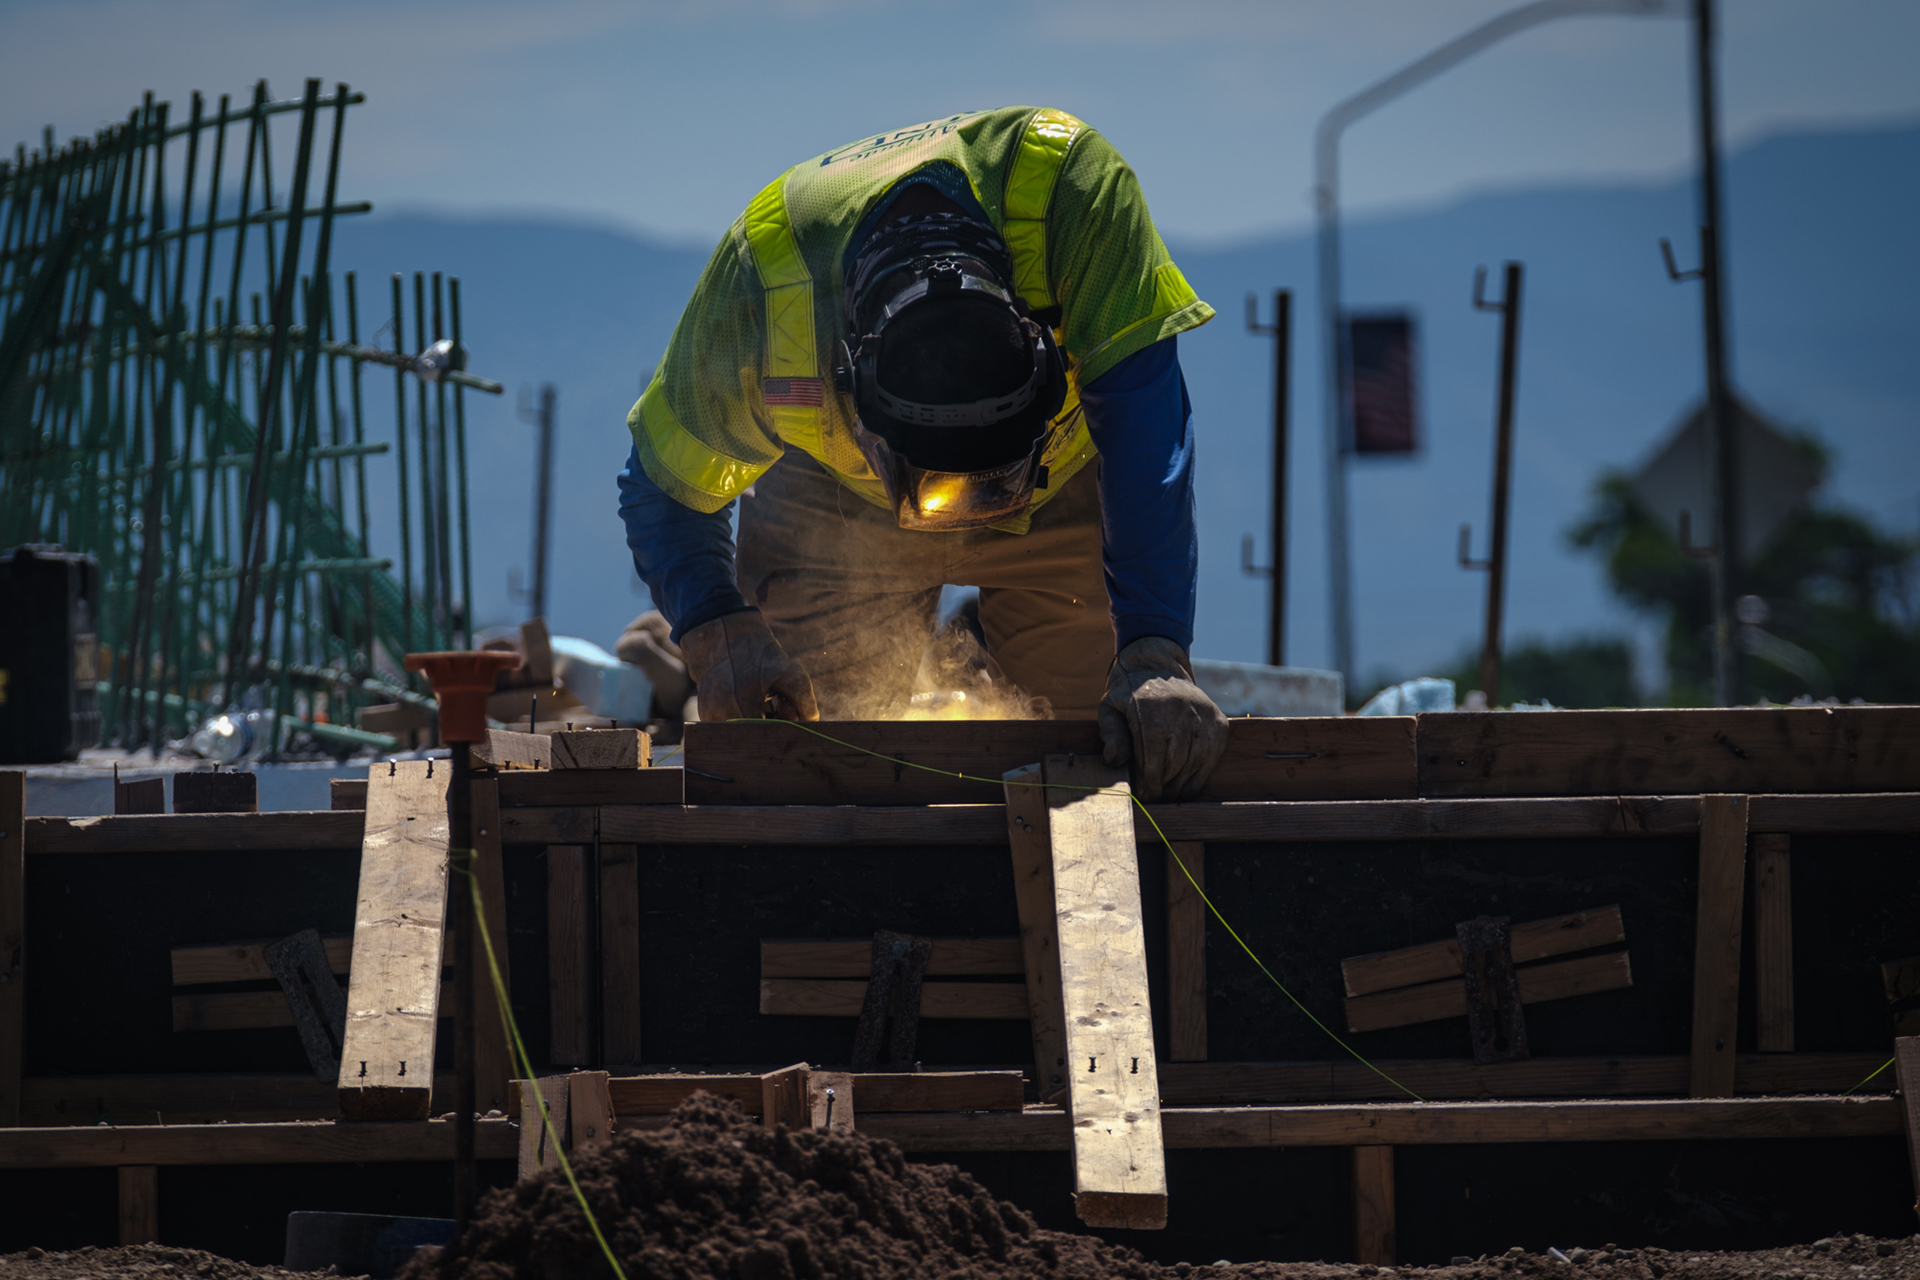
<point>1157,719</point>
<point>741,672</point>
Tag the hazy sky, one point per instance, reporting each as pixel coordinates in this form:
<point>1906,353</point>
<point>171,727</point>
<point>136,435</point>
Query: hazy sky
<point>665,116</point>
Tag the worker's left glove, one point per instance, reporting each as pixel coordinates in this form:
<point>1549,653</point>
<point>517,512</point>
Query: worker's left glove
<point>1155,718</point>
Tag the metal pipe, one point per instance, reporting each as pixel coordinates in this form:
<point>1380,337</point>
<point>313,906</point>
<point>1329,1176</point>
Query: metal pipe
<point>543,499</point>
<point>460,920</point>
<point>1509,309</point>
<point>1326,153</point>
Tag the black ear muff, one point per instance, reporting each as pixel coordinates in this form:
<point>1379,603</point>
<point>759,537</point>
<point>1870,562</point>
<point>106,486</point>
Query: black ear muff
<point>1047,355</point>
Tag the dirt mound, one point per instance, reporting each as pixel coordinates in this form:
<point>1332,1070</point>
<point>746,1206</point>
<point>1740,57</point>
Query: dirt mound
<point>713,1195</point>
<point>147,1261</point>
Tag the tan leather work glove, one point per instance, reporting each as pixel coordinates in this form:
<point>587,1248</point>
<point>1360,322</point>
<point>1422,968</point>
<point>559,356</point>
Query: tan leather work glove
<point>741,672</point>
<point>1155,718</point>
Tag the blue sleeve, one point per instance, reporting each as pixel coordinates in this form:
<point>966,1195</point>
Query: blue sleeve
<point>1142,424</point>
<point>684,556</point>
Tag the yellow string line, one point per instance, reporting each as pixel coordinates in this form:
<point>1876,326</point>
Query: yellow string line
<point>1876,1071</point>
<point>1171,853</point>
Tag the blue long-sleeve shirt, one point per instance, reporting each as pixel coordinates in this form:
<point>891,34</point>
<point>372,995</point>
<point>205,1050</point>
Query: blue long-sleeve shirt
<point>1141,421</point>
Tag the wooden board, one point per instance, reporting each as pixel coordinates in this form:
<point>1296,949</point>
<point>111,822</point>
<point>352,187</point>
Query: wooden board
<point>591,786</point>
<point>853,957</point>
<point>1716,950</point>
<point>506,749</point>
<point>1373,1206</point>
<point>569,955</point>
<point>1120,1177</point>
<point>400,915</point>
<point>783,1098</point>
<point>844,998</point>
<point>589,1111</point>
<point>541,1142</point>
<point>601,749</point>
<point>139,797</point>
<point>492,1053</point>
<point>187,1099</point>
<point>139,1204</point>
<point>1187,952</point>
<point>247,961</point>
<point>1740,750</point>
<point>757,763</point>
<point>346,793</point>
<point>1025,828</point>
<point>318,1005</point>
<point>1773,941</point>
<point>1536,940</point>
<point>1556,980</point>
<point>13,938</point>
<point>253,1010</point>
<point>1906,1065</point>
<point>830,1100</point>
<point>879,1091</point>
<point>619,954</point>
<point>288,832</point>
<point>212,792</point>
<point>293,1142</point>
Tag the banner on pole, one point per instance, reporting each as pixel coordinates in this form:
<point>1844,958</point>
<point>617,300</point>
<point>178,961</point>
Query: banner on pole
<point>1377,383</point>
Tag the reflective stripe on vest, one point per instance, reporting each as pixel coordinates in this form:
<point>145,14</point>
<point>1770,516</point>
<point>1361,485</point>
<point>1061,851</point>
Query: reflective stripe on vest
<point>714,475</point>
<point>792,356</point>
<point>1037,162</point>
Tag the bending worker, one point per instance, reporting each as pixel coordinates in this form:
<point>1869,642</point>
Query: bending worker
<point>940,355</point>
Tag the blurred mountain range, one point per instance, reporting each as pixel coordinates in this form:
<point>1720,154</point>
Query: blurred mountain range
<point>1824,276</point>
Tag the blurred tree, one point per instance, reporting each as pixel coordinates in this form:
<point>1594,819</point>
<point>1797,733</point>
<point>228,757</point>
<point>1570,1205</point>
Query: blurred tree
<point>1831,611</point>
<point>1587,671</point>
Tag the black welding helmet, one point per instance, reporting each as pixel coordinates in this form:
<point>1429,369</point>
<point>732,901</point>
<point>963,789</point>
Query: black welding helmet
<point>953,385</point>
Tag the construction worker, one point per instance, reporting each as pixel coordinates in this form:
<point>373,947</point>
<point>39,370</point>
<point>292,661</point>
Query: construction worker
<point>900,362</point>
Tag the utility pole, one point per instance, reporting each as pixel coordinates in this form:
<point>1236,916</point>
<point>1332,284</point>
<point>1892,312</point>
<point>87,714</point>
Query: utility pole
<point>1282,331</point>
<point>1496,562</point>
<point>542,494</point>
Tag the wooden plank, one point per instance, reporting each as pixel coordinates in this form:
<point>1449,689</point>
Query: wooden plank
<point>1735,750</point>
<point>889,1029</point>
<point>589,1111</point>
<point>783,1098</point>
<point>1556,980</point>
<point>1773,941</point>
<point>347,793</point>
<point>492,1053</point>
<point>619,954</point>
<point>1373,1207</point>
<point>506,749</point>
<point>139,1204</point>
<point>247,961</point>
<point>1419,1124</point>
<point>844,998</point>
<point>569,958</point>
<point>213,792</point>
<point>318,1005</point>
<point>602,749</point>
<point>879,1091</point>
<point>657,1095</point>
<point>1716,948</point>
<point>400,915</point>
<point>1893,813</point>
<point>830,1100</point>
<point>253,1010</point>
<point>1906,1065</point>
<point>13,938</point>
<point>185,1099</point>
<point>1496,1027</point>
<point>540,1144</point>
<point>1187,952</point>
<point>853,957</point>
<point>139,797</point>
<point>591,786</point>
<point>1536,940</point>
<point>283,832</point>
<point>1025,828</point>
<point>1120,1177</point>
<point>309,1142</point>
<point>735,763</point>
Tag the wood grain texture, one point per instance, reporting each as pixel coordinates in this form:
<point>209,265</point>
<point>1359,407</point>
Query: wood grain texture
<point>601,749</point>
<point>589,1111</point>
<point>1373,1206</point>
<point>768,763</point>
<point>1735,750</point>
<point>619,954</point>
<point>247,961</point>
<point>1187,952</point>
<point>830,1100</point>
<point>346,793</point>
<point>506,749</point>
<point>538,788</point>
<point>1906,1065</point>
<point>1716,950</point>
<point>211,792</point>
<point>253,1010</point>
<point>297,1142</point>
<point>1119,1163</point>
<point>783,1098</point>
<point>569,960</point>
<point>541,1142</point>
<point>845,998</point>
<point>853,957</point>
<point>184,1099</point>
<point>13,938</point>
<point>879,1091</point>
<point>140,796</point>
<point>492,1054</point>
<point>399,922</point>
<point>1025,829</point>
<point>1556,980</point>
<point>139,1204</point>
<point>1773,941</point>
<point>289,832</point>
<point>1432,961</point>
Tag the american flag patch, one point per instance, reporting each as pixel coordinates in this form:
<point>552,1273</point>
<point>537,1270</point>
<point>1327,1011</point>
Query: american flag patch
<point>800,391</point>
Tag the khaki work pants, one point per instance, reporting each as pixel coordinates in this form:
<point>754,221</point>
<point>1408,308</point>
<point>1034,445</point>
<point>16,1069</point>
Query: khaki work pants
<point>854,598</point>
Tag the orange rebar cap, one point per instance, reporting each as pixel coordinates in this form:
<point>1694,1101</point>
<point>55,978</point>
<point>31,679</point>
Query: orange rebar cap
<point>462,679</point>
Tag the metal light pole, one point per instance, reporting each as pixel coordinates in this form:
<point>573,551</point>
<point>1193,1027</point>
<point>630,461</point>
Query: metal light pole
<point>542,494</point>
<point>1326,159</point>
<point>1496,562</point>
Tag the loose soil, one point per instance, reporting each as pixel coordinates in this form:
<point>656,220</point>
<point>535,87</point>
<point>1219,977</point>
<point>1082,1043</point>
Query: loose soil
<point>714,1196</point>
